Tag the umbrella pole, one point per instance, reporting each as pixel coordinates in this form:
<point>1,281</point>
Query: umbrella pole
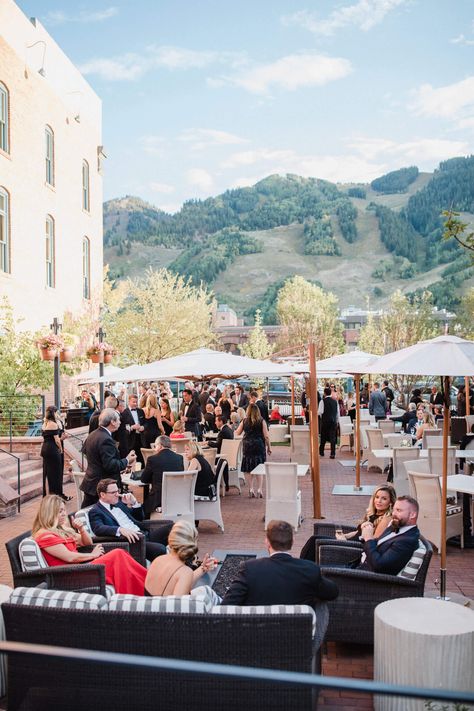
<point>314,432</point>
<point>292,399</point>
<point>468,404</point>
<point>357,432</point>
<point>444,489</point>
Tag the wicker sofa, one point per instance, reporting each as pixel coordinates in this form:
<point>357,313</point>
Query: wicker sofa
<point>275,641</point>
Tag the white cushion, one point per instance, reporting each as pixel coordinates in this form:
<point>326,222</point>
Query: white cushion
<point>266,610</point>
<point>453,509</point>
<point>172,603</point>
<point>410,571</point>
<point>204,498</point>
<point>30,556</point>
<point>83,515</point>
<point>39,597</point>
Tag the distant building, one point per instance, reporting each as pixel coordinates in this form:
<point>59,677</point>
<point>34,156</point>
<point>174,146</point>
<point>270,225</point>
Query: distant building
<point>51,252</point>
<point>231,330</point>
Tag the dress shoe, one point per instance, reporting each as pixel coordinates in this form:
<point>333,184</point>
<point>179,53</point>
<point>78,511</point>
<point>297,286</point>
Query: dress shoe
<point>259,494</point>
<point>333,456</point>
<point>66,498</point>
<point>251,494</point>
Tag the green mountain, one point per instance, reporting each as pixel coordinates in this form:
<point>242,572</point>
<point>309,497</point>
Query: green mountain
<point>361,241</point>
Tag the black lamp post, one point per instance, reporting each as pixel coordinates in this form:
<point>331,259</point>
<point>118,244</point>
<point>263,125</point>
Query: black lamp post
<point>56,327</point>
<point>101,334</point>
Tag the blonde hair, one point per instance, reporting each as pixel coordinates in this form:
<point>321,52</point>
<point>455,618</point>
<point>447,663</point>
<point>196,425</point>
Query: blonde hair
<point>47,517</point>
<point>178,426</point>
<point>371,511</point>
<point>182,540</point>
<point>194,448</point>
<point>253,414</point>
<point>151,402</point>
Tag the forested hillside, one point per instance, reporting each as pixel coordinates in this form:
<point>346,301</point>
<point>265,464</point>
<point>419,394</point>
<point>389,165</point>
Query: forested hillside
<point>288,224</point>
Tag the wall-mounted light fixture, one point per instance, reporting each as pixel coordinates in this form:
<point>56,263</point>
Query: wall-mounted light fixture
<point>41,70</point>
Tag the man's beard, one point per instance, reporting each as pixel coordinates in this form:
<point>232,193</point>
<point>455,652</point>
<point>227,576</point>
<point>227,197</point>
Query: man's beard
<point>396,524</point>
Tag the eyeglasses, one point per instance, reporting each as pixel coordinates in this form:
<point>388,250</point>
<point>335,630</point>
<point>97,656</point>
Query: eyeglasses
<point>113,492</point>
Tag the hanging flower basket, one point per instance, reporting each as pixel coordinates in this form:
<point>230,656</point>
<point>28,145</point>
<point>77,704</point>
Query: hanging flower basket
<point>100,353</point>
<point>49,346</point>
<point>108,357</point>
<point>95,357</point>
<point>66,355</point>
<point>48,353</point>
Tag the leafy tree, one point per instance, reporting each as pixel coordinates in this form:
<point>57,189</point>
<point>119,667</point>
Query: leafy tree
<point>357,192</point>
<point>396,181</point>
<point>157,317</point>
<point>455,229</point>
<point>347,213</point>
<point>309,314</point>
<point>465,316</point>
<point>257,345</point>
<point>319,238</point>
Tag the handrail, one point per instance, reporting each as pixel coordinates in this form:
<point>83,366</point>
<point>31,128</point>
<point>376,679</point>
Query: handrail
<point>69,434</point>
<point>18,473</point>
<point>275,676</point>
<point>9,399</point>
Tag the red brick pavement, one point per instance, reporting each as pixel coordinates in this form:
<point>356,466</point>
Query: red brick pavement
<point>244,529</point>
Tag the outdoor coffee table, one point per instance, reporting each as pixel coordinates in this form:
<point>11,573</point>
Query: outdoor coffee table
<point>224,573</point>
<point>301,469</point>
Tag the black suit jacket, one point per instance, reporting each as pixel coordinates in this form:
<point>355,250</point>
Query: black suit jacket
<point>391,556</point>
<point>103,522</point>
<point>243,401</point>
<point>224,433</point>
<point>103,460</point>
<point>193,416</point>
<point>164,461</point>
<point>279,580</point>
<point>262,406</point>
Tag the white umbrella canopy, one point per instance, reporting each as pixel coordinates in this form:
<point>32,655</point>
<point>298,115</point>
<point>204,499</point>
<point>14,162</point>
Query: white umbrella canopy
<point>354,362</point>
<point>203,363</point>
<point>444,355</point>
<point>111,372</point>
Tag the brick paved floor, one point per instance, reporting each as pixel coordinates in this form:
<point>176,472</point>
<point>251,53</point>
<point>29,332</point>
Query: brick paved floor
<point>244,529</point>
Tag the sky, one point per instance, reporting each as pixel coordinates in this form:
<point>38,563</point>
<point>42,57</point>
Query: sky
<point>201,97</point>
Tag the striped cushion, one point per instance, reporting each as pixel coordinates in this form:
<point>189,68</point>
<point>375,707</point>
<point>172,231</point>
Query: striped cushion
<point>83,515</point>
<point>450,510</point>
<point>266,610</point>
<point>30,555</point>
<point>172,603</point>
<point>39,597</point>
<point>204,498</point>
<point>410,571</point>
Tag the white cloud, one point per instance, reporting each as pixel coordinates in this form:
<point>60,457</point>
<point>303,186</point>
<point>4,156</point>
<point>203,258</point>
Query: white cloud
<point>455,101</point>
<point>292,72</point>
<point>422,152</point>
<point>58,17</point>
<point>364,15</point>
<point>461,39</point>
<point>152,144</point>
<point>200,178</point>
<point>201,138</point>
<point>128,67</point>
<point>164,188</point>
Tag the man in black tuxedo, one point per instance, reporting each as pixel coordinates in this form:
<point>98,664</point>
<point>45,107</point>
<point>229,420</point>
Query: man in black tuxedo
<point>279,579</point>
<point>190,413</point>
<point>225,432</point>
<point>328,410</point>
<point>111,516</point>
<point>436,398</point>
<point>110,401</point>
<point>391,552</point>
<point>240,398</point>
<point>103,458</point>
<point>262,406</point>
<point>165,460</point>
<point>133,419</point>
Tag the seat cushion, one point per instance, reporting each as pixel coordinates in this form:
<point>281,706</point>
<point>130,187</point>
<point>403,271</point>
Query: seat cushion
<point>410,571</point>
<point>30,556</point>
<point>266,610</point>
<point>39,597</point>
<point>172,603</point>
<point>204,498</point>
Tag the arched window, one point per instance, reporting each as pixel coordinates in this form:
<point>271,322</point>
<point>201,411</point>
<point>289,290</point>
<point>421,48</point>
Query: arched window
<point>86,268</point>
<point>50,252</point>
<point>49,154</point>
<point>4,119</point>
<point>85,186</point>
<point>4,231</point>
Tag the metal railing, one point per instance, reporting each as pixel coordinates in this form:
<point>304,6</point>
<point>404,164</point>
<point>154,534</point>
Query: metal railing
<point>80,449</point>
<point>286,678</point>
<point>17,474</point>
<point>18,413</point>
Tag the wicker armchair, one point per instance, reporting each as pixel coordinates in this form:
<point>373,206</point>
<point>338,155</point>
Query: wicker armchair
<point>80,577</point>
<point>351,615</point>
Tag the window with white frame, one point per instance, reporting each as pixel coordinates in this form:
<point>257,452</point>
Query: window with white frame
<point>4,231</point>
<point>4,127</point>
<point>49,155</point>
<point>86,268</point>
<point>50,252</point>
<point>85,186</point>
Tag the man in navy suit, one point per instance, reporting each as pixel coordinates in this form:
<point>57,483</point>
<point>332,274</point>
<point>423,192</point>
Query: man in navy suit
<point>112,517</point>
<point>279,579</point>
<point>165,460</point>
<point>391,552</point>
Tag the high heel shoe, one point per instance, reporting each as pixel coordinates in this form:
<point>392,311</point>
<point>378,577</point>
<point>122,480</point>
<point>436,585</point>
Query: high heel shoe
<point>251,494</point>
<point>259,494</point>
<point>66,498</point>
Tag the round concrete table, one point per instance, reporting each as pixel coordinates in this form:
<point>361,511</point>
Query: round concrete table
<point>422,642</point>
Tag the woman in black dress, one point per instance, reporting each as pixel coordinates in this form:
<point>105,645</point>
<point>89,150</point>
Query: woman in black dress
<point>205,482</point>
<point>167,417</point>
<point>255,439</point>
<point>152,422</point>
<point>52,453</point>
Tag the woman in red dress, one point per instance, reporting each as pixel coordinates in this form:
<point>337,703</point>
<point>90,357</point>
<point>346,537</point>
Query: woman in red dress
<point>59,542</point>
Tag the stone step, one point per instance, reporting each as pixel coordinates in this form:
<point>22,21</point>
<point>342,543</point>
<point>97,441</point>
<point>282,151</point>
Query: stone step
<point>5,458</point>
<point>31,483</point>
<point>26,465</point>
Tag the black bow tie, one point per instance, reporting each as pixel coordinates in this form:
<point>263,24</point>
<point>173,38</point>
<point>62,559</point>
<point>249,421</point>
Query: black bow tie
<point>133,409</point>
<point>112,505</point>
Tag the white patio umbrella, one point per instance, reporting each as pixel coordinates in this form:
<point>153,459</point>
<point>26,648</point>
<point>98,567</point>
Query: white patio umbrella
<point>356,363</point>
<point>111,373</point>
<point>445,356</point>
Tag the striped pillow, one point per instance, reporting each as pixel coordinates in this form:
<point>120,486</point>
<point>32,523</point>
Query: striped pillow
<point>83,515</point>
<point>38,597</point>
<point>410,571</point>
<point>30,555</point>
<point>172,603</point>
<point>266,610</point>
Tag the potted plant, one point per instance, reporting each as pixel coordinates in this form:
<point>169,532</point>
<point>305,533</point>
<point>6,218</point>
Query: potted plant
<point>67,351</point>
<point>49,345</point>
<point>109,353</point>
<point>100,352</point>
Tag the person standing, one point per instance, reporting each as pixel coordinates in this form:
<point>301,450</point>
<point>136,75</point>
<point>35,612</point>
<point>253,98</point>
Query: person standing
<point>52,453</point>
<point>255,439</point>
<point>436,399</point>
<point>134,419</point>
<point>190,413</point>
<point>378,403</point>
<point>151,422</point>
<point>328,410</point>
<point>389,395</point>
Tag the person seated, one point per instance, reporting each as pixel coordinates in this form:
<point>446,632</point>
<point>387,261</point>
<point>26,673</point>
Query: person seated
<point>275,416</point>
<point>172,574</point>
<point>408,419</point>
<point>378,513</point>
<point>58,543</point>
<point>178,430</point>
<point>234,421</point>
<point>209,419</point>
<point>194,459</point>
<point>425,421</point>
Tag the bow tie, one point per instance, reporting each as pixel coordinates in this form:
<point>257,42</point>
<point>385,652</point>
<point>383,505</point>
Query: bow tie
<point>133,409</point>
